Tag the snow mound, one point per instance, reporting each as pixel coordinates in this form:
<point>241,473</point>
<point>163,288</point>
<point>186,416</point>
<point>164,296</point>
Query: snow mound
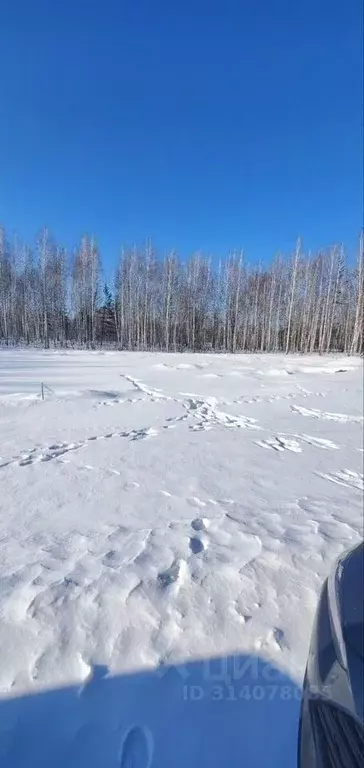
<point>163,541</point>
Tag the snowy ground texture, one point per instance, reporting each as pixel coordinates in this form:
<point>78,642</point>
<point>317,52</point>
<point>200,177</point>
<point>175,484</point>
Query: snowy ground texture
<point>166,522</point>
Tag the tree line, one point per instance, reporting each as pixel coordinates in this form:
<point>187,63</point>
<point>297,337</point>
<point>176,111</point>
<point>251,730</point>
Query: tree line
<point>301,302</point>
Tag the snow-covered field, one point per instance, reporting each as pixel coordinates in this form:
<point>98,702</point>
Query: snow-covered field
<point>166,522</point>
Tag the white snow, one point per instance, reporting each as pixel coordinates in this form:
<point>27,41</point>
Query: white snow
<point>166,523</point>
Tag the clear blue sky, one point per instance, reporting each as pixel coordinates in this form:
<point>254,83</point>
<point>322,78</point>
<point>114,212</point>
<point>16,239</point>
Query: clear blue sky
<point>205,125</point>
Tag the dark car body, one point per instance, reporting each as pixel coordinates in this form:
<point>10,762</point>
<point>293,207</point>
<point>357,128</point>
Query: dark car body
<point>332,710</point>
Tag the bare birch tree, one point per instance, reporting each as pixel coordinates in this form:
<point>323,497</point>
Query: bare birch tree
<point>303,303</point>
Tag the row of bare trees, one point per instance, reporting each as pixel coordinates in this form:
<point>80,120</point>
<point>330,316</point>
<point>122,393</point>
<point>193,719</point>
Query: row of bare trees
<point>297,303</point>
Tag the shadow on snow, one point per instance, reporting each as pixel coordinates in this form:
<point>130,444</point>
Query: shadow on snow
<point>230,711</point>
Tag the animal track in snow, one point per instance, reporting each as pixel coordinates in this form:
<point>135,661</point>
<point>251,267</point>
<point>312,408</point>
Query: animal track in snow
<point>113,559</point>
<point>154,394</point>
<point>121,400</point>
<point>137,748</point>
<point>58,450</point>
<point>205,412</point>
<point>196,545</point>
<point>318,442</point>
<point>280,444</point>
<point>173,575</point>
<point>344,477</point>
<point>307,393</point>
<point>222,541</point>
<point>283,442</point>
<point>41,455</point>
<point>277,635</point>
<point>275,640</point>
<point>200,524</point>
<point>314,413</point>
<point>141,434</point>
<point>302,393</point>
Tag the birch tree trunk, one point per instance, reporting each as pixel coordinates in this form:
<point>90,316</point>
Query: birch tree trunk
<point>293,288</point>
